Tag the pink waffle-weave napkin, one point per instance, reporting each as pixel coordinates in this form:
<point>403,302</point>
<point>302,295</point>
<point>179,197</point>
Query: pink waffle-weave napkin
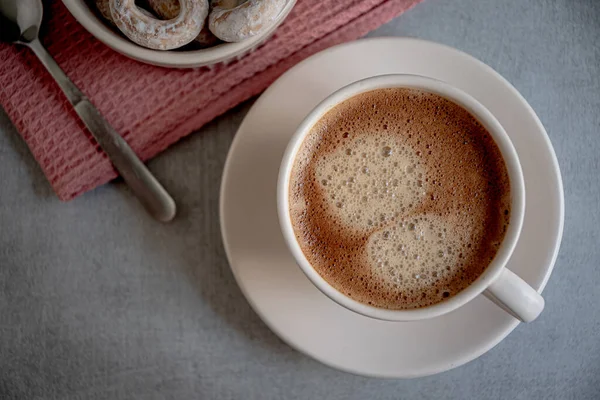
<point>153,107</point>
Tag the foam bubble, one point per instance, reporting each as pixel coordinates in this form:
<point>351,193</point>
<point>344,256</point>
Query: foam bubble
<point>412,254</point>
<point>376,184</point>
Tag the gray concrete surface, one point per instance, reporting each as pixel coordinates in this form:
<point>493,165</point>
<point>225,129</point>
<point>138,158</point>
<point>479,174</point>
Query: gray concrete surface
<point>97,301</point>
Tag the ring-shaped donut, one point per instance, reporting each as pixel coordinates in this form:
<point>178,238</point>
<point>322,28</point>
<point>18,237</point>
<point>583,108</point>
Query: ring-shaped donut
<point>237,20</point>
<point>159,34</point>
<point>167,9</point>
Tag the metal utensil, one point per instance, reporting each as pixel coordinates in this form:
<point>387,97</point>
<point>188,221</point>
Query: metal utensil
<point>20,21</point>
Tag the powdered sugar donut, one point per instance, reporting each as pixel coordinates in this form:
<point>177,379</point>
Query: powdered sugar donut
<point>168,9</point>
<point>236,20</point>
<point>206,38</point>
<point>159,34</point>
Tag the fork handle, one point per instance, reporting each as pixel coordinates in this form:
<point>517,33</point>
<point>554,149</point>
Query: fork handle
<point>144,185</point>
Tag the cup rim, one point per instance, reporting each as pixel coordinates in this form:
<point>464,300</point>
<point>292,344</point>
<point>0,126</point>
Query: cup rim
<point>502,140</point>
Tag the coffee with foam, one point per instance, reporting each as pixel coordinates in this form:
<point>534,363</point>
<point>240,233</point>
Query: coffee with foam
<point>399,198</point>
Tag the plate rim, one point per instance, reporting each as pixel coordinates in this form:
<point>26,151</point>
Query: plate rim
<point>467,356</point>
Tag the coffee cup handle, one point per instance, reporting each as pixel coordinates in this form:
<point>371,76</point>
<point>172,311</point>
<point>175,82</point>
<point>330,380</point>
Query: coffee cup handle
<point>515,296</point>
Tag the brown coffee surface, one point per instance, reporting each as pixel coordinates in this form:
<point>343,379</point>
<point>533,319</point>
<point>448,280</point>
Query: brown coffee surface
<point>399,198</point>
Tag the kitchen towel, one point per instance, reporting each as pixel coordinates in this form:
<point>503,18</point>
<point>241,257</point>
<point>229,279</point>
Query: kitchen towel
<point>153,107</point>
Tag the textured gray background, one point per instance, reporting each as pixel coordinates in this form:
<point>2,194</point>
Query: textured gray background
<point>97,301</point>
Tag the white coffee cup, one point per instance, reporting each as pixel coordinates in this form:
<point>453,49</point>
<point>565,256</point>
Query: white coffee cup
<point>497,283</point>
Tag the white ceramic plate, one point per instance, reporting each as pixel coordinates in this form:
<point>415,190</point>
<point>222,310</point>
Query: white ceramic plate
<point>280,293</point>
<point>223,53</point>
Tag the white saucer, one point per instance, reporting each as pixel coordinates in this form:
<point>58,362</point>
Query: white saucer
<point>276,288</point>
